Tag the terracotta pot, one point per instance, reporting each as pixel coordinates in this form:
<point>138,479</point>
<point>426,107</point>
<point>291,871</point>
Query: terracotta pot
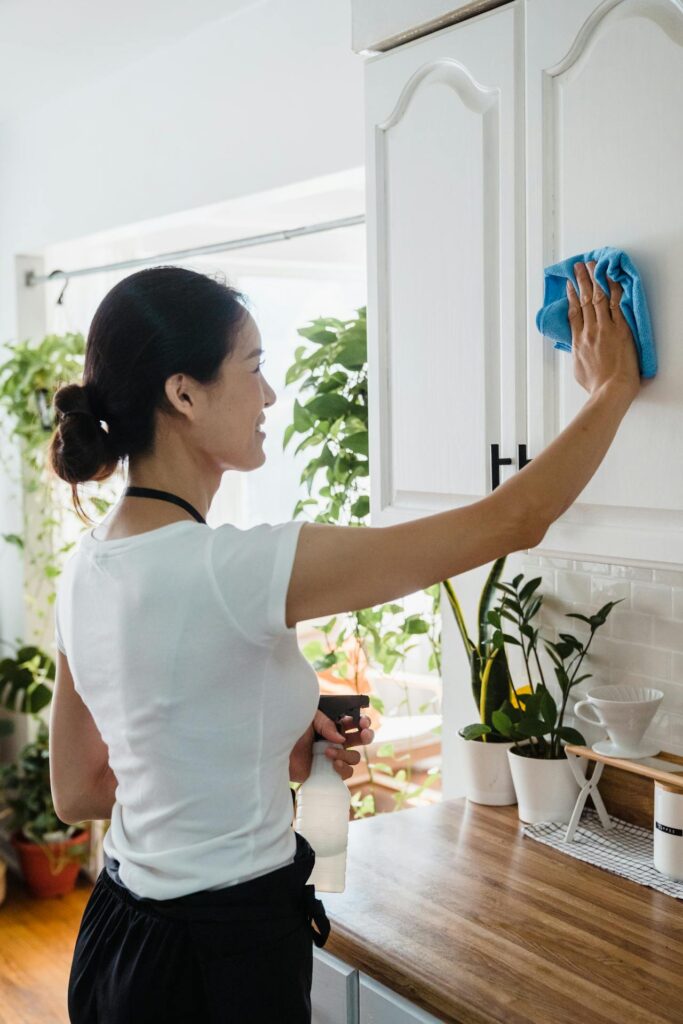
<point>53,875</point>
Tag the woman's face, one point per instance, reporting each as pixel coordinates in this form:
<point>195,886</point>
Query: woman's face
<point>236,404</point>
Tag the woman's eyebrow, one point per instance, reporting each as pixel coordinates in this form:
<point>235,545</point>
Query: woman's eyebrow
<point>254,352</point>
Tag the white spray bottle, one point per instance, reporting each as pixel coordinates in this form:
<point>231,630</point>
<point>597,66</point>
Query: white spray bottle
<point>323,800</point>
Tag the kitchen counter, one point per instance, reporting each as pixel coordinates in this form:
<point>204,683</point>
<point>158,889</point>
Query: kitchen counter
<point>453,909</point>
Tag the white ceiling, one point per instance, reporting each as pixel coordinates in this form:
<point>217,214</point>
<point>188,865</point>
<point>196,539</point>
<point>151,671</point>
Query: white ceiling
<point>49,48</point>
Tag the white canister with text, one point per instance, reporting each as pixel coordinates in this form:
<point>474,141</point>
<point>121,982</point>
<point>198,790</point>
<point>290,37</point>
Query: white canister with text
<point>668,830</point>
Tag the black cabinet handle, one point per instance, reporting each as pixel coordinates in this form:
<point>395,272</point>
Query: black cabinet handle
<point>522,459</point>
<point>496,463</point>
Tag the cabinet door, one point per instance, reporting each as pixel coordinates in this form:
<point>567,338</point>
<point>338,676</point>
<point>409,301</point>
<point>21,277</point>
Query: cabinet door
<point>605,152</point>
<point>379,1005</point>
<point>445,227</point>
<point>334,990</point>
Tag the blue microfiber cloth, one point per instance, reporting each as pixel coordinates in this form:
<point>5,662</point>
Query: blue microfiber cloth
<point>552,320</point>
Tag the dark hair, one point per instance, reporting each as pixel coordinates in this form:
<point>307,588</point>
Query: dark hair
<point>152,324</point>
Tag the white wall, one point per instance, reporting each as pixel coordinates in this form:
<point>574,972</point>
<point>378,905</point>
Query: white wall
<point>268,97</point>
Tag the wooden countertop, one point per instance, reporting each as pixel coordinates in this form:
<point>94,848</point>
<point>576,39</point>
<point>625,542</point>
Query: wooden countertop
<point>453,909</point>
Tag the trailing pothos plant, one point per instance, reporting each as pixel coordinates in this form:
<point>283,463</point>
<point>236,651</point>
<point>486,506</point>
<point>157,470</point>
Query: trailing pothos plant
<point>334,420</point>
<point>29,378</point>
<point>535,721</point>
<point>490,676</point>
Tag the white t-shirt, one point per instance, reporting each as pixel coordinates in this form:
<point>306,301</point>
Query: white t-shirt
<point>177,643</point>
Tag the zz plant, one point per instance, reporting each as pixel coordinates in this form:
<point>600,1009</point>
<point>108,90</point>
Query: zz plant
<point>537,718</point>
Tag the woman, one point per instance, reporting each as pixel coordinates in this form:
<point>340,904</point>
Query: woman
<point>182,705</point>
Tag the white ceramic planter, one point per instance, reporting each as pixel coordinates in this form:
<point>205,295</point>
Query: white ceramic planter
<point>546,790</point>
<point>487,772</point>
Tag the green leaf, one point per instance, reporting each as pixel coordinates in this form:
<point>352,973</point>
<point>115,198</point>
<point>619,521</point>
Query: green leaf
<point>457,612</point>
<point>576,615</point>
<point>532,727</point>
<point>361,507</point>
<point>415,624</point>
<point>354,354</point>
<point>574,641</point>
<point>501,723</point>
<point>486,599</point>
<point>548,709</point>
<point>327,406</point>
<point>357,442</point>
<point>562,678</point>
<point>571,736</point>
<point>473,732</point>
<point>529,588</point>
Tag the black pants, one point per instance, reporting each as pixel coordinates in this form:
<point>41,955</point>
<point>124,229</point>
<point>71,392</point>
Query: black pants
<point>242,954</point>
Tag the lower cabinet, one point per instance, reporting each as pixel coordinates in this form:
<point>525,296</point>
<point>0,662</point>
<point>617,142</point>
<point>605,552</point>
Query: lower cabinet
<point>379,1005</point>
<point>334,991</point>
<point>342,995</point>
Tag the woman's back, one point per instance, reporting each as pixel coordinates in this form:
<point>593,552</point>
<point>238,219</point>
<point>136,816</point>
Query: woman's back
<point>178,646</point>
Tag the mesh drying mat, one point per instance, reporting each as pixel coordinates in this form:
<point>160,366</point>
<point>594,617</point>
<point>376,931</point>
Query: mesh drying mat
<point>624,849</point>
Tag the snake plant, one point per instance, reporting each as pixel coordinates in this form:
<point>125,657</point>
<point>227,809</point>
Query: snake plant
<point>489,670</point>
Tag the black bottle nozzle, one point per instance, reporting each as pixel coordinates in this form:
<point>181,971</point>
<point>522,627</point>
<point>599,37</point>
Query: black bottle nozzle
<point>337,707</point>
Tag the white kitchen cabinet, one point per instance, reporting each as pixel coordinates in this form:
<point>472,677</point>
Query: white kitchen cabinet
<point>446,320</point>
<point>342,995</point>
<point>334,990</point>
<point>495,147</point>
<point>379,1005</point>
<point>604,83</point>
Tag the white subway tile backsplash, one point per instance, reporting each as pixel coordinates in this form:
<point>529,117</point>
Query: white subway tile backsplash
<point>641,642</point>
<point>594,568</point>
<point>631,572</point>
<point>677,672</point>
<point>651,599</point>
<point>558,563</point>
<point>620,656</point>
<point>573,586</point>
<point>670,576</point>
<point>632,626</point>
<point>604,589</point>
<point>668,633</point>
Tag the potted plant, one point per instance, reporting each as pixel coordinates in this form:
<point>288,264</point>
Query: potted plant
<point>50,851</point>
<point>545,786</point>
<point>29,378</point>
<point>483,747</point>
<point>331,414</point>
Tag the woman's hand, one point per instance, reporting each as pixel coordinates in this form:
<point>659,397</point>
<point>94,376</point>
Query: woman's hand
<point>603,347</point>
<point>301,758</point>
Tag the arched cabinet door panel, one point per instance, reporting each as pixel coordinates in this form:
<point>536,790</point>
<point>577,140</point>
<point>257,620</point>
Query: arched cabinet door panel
<point>446,304</point>
<point>604,83</point>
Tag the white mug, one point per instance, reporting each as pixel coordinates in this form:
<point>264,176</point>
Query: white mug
<point>624,711</point>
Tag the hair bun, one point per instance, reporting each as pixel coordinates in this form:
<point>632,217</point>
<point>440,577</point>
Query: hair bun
<point>71,400</point>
